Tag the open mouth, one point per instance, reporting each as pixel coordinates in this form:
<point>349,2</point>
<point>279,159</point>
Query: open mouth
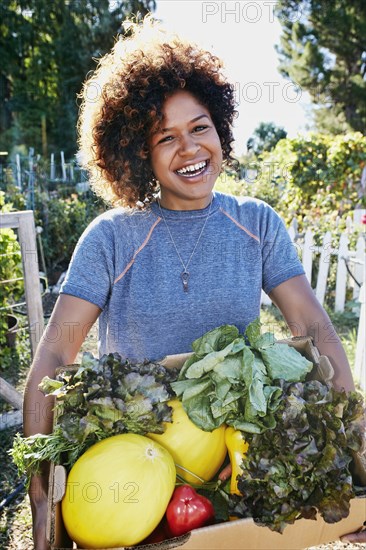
<point>193,169</point>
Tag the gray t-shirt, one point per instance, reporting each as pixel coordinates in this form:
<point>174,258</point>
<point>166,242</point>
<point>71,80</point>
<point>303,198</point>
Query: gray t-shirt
<point>126,263</point>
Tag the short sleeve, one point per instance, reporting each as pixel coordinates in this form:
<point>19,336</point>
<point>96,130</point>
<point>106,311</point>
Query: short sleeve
<point>90,274</point>
<point>280,260</point>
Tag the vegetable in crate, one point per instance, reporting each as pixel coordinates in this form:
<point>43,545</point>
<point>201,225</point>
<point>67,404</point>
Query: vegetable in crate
<point>237,448</point>
<point>103,397</point>
<point>118,491</point>
<point>197,454</point>
<point>226,381</point>
<point>188,510</point>
<point>302,465</point>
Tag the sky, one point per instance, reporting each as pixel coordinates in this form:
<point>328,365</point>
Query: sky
<point>243,34</point>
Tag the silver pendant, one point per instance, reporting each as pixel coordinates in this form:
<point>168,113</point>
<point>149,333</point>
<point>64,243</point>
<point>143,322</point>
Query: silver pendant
<point>185,277</point>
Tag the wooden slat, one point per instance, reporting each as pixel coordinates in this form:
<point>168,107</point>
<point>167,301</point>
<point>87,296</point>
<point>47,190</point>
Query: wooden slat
<point>359,265</point>
<point>10,419</point>
<point>341,280</point>
<point>324,262</point>
<point>28,244</point>
<point>265,299</point>
<point>9,220</point>
<point>292,233</point>
<point>307,254</point>
<point>360,358</point>
<point>10,394</point>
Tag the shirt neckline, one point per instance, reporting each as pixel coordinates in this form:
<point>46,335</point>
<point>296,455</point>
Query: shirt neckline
<point>187,214</point>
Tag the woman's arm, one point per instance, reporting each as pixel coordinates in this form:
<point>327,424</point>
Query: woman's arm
<point>306,317</point>
<point>70,322</point>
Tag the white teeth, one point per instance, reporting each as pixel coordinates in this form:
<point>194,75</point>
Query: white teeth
<point>192,168</point>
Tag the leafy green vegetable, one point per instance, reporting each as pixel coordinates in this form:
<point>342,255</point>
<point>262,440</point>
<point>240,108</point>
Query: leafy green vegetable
<point>215,340</point>
<point>28,453</point>
<point>301,465</point>
<point>285,362</point>
<point>102,398</point>
<point>228,381</point>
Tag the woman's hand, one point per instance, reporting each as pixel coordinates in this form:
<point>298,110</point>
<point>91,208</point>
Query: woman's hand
<point>358,537</point>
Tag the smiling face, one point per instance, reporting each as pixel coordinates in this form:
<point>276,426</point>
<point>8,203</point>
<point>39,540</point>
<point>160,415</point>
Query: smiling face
<point>186,154</point>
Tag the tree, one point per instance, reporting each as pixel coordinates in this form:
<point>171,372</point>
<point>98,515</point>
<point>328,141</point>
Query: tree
<point>323,50</point>
<point>265,137</point>
<point>46,50</point>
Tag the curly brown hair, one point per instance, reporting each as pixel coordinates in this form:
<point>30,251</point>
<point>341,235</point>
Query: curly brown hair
<point>123,101</point>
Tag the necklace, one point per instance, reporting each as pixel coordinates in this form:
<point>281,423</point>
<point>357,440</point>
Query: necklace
<point>185,273</point>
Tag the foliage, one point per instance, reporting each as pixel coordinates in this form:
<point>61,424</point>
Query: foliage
<point>62,216</point>
<point>265,137</point>
<point>10,269</point>
<point>322,50</point>
<point>63,220</point>
<point>314,178</point>
<point>46,50</point>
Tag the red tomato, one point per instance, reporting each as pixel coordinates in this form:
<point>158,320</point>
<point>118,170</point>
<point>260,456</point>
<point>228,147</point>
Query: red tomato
<point>188,510</point>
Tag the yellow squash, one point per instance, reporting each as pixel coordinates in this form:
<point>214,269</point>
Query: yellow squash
<point>118,491</point>
<point>193,450</point>
<point>237,448</point>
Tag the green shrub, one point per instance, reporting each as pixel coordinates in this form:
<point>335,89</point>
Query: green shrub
<point>63,220</point>
<point>11,290</point>
<point>313,178</point>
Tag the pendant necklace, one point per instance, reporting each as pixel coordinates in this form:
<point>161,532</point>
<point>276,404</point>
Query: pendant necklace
<point>185,273</point>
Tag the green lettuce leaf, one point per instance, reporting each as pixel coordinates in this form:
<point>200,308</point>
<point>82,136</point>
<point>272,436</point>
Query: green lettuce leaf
<point>301,465</point>
<point>103,397</point>
<point>215,340</point>
<point>213,359</point>
<point>285,362</point>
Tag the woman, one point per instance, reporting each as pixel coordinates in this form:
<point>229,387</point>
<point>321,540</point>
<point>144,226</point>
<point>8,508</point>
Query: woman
<point>173,259</point>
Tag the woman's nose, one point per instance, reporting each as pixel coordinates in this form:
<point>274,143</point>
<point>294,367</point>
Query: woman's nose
<point>188,146</point>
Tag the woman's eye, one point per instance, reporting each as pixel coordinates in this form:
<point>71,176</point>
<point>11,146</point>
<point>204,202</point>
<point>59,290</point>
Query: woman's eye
<point>165,139</point>
<point>200,128</point>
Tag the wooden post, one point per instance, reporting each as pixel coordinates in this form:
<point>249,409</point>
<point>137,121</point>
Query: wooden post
<point>44,134</point>
<point>10,419</point>
<point>324,263</point>
<point>360,359</point>
<point>307,255</point>
<point>359,267</point>
<point>341,280</point>
<point>52,167</point>
<point>24,222</point>
<point>10,394</point>
<point>19,173</point>
<point>63,166</point>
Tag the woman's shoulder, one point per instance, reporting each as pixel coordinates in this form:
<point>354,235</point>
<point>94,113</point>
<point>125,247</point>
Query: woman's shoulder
<point>115,226</point>
<point>120,219</point>
<point>244,205</point>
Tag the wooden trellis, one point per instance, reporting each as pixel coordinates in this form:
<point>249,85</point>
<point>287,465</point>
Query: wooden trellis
<point>23,222</point>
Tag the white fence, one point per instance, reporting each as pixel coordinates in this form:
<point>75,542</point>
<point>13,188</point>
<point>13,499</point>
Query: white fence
<point>350,276</point>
